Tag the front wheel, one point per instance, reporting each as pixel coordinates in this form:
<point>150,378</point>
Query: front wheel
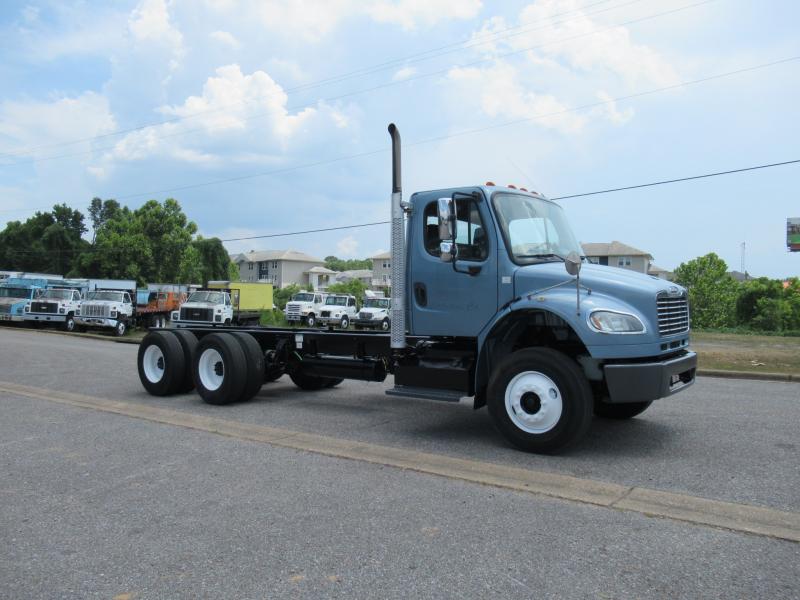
<point>540,399</point>
<point>311,320</point>
<point>627,410</point>
<point>344,323</point>
<point>69,323</point>
<point>120,328</point>
<point>385,325</point>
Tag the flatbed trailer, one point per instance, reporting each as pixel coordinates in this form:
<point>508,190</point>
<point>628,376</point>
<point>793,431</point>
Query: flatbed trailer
<point>479,309</point>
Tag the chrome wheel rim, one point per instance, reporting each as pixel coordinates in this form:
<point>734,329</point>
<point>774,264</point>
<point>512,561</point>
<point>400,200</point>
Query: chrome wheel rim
<point>153,363</point>
<point>211,369</point>
<point>533,402</point>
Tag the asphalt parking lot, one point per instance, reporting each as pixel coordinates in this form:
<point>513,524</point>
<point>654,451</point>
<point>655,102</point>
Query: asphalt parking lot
<point>98,504</point>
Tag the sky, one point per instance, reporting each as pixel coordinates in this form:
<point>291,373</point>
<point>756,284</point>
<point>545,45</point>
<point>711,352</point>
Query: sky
<point>269,116</point>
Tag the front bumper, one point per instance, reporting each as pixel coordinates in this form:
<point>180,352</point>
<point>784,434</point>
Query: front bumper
<point>374,323</point>
<point>96,322</point>
<point>46,317</point>
<point>644,382</point>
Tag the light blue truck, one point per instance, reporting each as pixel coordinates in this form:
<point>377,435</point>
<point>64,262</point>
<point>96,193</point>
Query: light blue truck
<point>15,293</point>
<point>492,300</point>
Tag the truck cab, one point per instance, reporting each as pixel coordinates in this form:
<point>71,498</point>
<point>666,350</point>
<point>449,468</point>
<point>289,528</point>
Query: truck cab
<point>339,309</point>
<point>374,314</point>
<point>15,293</point>
<point>54,305</point>
<point>209,307</point>
<point>106,309</point>
<point>305,307</point>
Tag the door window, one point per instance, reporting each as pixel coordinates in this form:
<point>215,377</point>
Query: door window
<point>471,240</point>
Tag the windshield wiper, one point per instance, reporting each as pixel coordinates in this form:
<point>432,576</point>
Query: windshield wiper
<point>546,255</point>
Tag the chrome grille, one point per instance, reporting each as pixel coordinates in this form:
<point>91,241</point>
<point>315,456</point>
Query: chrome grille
<point>44,307</point>
<point>293,310</point>
<point>5,308</point>
<point>95,310</point>
<point>673,313</point>
<point>365,315</point>
<point>196,314</point>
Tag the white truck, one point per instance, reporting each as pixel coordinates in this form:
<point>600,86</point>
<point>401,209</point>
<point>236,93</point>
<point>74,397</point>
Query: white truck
<point>374,314</point>
<point>339,309</point>
<point>205,306</point>
<point>305,307</point>
<point>54,305</point>
<point>112,309</point>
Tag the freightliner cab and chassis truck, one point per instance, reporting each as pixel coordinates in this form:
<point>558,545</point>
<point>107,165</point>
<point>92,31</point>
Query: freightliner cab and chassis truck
<point>491,300</point>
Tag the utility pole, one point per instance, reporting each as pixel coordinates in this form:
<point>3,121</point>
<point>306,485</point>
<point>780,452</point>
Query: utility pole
<point>743,264</point>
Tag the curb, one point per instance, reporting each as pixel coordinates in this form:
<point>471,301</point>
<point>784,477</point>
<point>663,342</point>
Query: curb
<point>786,377</point>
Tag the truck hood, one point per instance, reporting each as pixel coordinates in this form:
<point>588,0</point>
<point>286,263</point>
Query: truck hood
<point>102,303</point>
<point>620,283</point>
<point>199,305</point>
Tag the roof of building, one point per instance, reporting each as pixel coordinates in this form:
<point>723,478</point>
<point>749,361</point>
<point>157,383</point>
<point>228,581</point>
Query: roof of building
<point>382,256</point>
<point>321,270</point>
<point>615,248</point>
<point>266,255</point>
<point>355,274</point>
<point>656,269</point>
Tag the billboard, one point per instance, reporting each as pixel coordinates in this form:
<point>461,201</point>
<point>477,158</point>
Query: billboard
<point>793,234</point>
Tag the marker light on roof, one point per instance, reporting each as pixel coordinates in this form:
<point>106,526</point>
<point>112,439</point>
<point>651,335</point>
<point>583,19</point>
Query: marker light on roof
<point>511,186</point>
<point>490,184</point>
<point>523,190</point>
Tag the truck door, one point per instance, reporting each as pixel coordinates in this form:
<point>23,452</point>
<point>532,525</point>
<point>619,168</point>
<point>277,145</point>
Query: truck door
<point>443,300</point>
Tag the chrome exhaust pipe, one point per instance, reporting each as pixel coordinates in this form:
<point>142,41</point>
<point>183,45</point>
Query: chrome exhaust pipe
<point>398,320</point>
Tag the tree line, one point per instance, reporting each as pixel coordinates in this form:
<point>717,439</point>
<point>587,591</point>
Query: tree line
<point>718,301</point>
<point>154,243</point>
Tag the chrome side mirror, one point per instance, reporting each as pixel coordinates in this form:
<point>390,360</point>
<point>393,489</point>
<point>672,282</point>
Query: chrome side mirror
<point>447,220</point>
<point>447,251</point>
<point>572,263</point>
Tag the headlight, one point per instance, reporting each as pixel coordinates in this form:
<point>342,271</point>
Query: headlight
<point>606,321</point>
<point>176,316</point>
<point>77,312</point>
<point>62,310</point>
<point>113,313</point>
<point>27,308</point>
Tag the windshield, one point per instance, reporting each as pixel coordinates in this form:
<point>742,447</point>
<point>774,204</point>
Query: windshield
<point>12,292</point>
<point>534,229</point>
<point>113,296</point>
<point>336,300</point>
<point>303,297</point>
<point>376,303</point>
<point>57,294</point>
<point>210,297</point>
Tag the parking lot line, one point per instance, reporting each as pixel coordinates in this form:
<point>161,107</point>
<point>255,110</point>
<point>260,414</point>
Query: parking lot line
<point>727,515</point>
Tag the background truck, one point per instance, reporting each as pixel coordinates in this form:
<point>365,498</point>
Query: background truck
<point>225,303</point>
<point>374,314</point>
<point>338,310</point>
<point>57,304</point>
<point>490,300</point>
<point>305,308</point>
<point>15,293</point>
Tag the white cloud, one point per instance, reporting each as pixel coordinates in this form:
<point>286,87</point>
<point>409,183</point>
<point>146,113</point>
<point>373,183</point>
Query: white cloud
<point>226,38</point>
<point>347,246</point>
<point>404,73</point>
<point>410,14</point>
<point>242,116</point>
<point>504,96</point>
<point>33,124</point>
<point>150,23</point>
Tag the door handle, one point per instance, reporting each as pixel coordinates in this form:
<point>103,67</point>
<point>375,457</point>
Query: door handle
<point>421,294</point>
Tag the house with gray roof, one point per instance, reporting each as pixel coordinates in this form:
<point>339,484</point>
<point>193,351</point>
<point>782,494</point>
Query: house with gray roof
<point>282,268</point>
<point>617,254</point>
<point>381,271</point>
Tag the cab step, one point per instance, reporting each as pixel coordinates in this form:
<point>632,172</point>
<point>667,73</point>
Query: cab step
<point>426,393</point>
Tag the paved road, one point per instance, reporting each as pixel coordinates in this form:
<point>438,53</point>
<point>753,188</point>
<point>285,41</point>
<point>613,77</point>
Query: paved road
<point>98,505</point>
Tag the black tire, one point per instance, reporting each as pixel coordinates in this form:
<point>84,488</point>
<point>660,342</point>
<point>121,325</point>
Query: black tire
<point>188,342</point>
<point>309,383</point>
<point>311,320</point>
<point>120,328</point>
<point>231,369</point>
<point>161,370</point>
<point>254,358</point>
<point>333,382</point>
<point>345,322</point>
<point>566,385</point>
<point>69,324</point>
<point>385,325</point>
<point>628,410</point>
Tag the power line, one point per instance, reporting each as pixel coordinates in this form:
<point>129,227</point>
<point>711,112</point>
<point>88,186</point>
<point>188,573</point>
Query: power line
<point>665,181</point>
<point>374,223</point>
<point>434,52</point>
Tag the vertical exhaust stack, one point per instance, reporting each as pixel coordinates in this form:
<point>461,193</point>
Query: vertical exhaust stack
<point>398,320</point>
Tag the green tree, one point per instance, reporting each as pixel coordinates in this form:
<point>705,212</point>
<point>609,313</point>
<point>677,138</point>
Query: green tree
<point>354,287</point>
<point>352,264</point>
<point>751,292</point>
<point>233,272</point>
<point>712,292</point>
<point>213,260</point>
